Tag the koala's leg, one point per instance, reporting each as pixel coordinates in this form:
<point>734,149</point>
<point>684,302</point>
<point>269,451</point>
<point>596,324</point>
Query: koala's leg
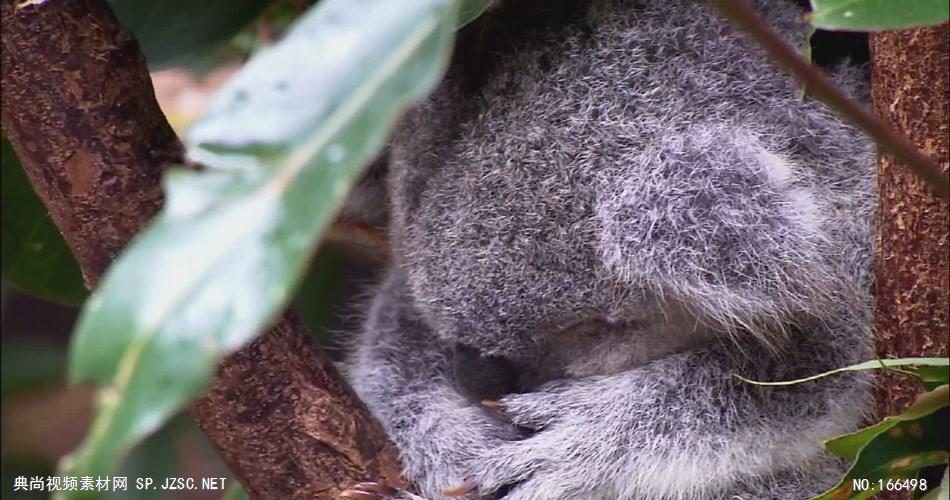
<point>402,371</point>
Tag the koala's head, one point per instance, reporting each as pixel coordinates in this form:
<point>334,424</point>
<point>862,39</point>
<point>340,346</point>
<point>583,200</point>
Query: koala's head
<point>577,180</point>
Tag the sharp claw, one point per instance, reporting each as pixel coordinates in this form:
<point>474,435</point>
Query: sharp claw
<point>490,403</point>
<point>378,488</point>
<point>360,495</point>
<point>457,491</point>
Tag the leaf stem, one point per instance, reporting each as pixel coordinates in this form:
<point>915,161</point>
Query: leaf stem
<point>742,15</point>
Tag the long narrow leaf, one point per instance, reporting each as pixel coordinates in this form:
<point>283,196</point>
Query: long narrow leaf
<point>469,10</point>
<point>867,15</point>
<point>283,142</point>
<point>867,365</point>
<point>849,445</point>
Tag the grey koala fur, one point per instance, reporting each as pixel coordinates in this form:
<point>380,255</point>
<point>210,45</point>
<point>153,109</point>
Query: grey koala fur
<point>631,203</point>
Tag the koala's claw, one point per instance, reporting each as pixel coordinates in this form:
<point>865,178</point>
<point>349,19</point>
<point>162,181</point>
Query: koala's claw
<point>460,490</point>
<point>377,491</point>
<point>359,495</point>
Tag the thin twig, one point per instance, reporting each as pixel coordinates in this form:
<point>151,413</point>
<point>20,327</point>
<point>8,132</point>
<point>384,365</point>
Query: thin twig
<point>742,15</point>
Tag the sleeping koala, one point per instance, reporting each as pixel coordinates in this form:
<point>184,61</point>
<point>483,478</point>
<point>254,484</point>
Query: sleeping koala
<point>607,210</point>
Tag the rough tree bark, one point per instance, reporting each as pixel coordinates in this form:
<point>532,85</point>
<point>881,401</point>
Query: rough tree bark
<point>79,109</point>
<point>911,91</point>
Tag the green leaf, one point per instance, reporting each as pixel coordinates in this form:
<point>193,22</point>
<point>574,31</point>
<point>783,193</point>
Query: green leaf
<point>172,31</point>
<point>156,457</point>
<point>871,15</point>
<point>469,10</point>
<point>849,445</point>
<point>283,142</point>
<point>938,363</point>
<point>932,376</point>
<point>896,454</point>
<point>35,257</point>
<point>895,448</point>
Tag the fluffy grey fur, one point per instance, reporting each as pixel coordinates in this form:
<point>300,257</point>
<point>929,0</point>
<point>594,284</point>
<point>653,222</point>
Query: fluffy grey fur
<point>628,201</point>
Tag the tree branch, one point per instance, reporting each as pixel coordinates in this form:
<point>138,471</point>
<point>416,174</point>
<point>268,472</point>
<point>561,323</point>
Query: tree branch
<point>80,112</point>
<point>911,89</point>
<point>740,13</point>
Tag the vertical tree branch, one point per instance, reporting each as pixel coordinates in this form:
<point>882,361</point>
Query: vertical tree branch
<point>911,90</point>
<point>80,111</point>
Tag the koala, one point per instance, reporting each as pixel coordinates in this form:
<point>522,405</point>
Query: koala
<point>606,211</point>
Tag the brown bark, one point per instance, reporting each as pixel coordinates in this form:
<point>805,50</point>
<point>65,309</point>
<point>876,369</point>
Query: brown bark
<point>79,109</point>
<point>911,91</point>
<point>291,426</point>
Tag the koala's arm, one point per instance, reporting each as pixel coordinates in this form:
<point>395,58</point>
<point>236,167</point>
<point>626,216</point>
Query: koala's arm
<point>679,427</point>
<point>402,371</point>
<point>684,427</point>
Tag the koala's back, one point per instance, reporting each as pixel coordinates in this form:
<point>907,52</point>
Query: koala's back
<point>579,153</point>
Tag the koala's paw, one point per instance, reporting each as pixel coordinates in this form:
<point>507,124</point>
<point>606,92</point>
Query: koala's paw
<point>577,451</point>
<point>442,448</point>
<point>377,491</point>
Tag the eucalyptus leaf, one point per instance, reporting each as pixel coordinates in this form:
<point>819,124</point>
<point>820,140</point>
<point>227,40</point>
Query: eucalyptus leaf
<point>872,15</point>
<point>898,453</point>
<point>35,258</point>
<point>469,10</point>
<point>877,364</point>
<point>849,445</point>
<point>156,457</point>
<point>932,376</point>
<point>174,31</point>
<point>282,143</point>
